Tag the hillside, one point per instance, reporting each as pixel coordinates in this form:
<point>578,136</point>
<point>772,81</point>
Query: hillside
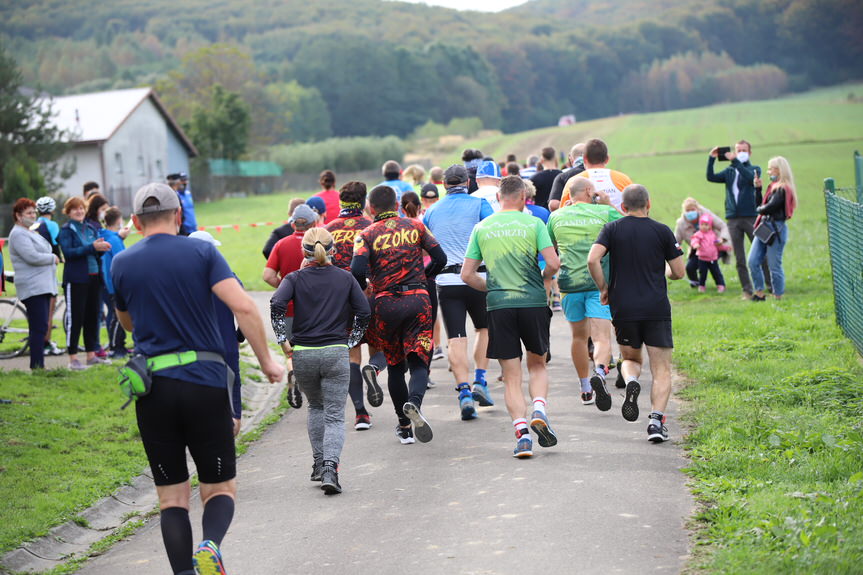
<point>610,14</point>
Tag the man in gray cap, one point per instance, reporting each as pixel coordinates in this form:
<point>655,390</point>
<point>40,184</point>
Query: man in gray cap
<point>164,286</point>
<point>451,220</point>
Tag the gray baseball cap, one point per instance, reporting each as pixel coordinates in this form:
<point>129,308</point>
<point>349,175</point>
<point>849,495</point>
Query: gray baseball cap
<point>167,198</point>
<point>304,212</point>
<point>455,174</point>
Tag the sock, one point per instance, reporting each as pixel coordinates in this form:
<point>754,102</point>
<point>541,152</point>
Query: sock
<point>659,413</point>
<point>585,384</point>
<point>177,536</point>
<point>539,404</point>
<point>480,376</point>
<point>463,389</point>
<point>601,370</point>
<point>630,378</point>
<point>218,513</point>
<point>520,427</point>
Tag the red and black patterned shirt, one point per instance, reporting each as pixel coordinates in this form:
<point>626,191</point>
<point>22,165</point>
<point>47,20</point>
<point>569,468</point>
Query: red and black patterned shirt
<point>394,248</point>
<point>344,232</point>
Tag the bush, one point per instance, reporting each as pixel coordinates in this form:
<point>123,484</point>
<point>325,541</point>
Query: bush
<point>467,127</point>
<point>339,154</point>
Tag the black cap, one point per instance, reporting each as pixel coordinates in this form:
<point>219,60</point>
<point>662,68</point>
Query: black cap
<point>455,175</point>
<point>429,191</point>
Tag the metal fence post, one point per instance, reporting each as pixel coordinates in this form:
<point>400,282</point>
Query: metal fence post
<point>830,185</point>
<point>858,175</point>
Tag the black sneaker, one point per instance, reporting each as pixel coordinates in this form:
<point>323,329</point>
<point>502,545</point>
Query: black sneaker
<point>374,393</point>
<point>422,429</point>
<point>603,400</point>
<point>405,434</point>
<point>630,403</point>
<point>656,430</point>
<point>330,478</point>
<point>317,469</point>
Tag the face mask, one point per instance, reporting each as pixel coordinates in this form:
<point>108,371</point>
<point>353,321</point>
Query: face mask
<point>743,157</point>
<point>27,222</point>
<point>773,178</point>
<point>692,216</point>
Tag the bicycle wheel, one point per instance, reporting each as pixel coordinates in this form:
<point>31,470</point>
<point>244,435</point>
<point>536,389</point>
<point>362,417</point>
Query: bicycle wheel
<point>13,329</point>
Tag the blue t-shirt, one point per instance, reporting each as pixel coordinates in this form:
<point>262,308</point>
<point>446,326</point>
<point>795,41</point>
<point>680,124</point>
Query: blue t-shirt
<point>165,283</point>
<point>400,186</point>
<point>451,220</point>
<point>117,246</point>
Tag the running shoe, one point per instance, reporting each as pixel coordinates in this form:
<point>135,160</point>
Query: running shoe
<point>619,383</point>
<point>656,430</point>
<point>720,289</point>
<point>101,353</point>
<point>603,400</point>
<point>481,394</point>
<point>295,398</point>
<point>51,348</point>
<point>96,360</point>
<point>430,384</point>
<point>523,448</point>
<point>466,405</point>
<point>76,365</point>
<point>438,353</point>
<point>405,434</point>
<point>693,284</point>
<point>422,429</point>
<point>587,398</point>
<point>544,432</point>
<point>317,469</point>
<point>374,393</point>
<point>363,422</point>
<point>208,560</point>
<point>330,478</point>
<point>630,403</point>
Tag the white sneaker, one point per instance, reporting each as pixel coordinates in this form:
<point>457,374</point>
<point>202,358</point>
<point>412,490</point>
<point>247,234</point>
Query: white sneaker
<point>437,353</point>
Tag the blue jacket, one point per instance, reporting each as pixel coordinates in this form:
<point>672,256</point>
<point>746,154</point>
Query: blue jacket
<point>75,253</point>
<point>117,246</point>
<point>748,198</point>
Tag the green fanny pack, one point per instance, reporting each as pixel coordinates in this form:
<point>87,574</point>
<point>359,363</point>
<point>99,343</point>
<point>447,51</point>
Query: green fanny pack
<point>136,377</point>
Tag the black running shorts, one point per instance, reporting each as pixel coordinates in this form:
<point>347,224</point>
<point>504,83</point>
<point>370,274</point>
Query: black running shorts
<point>179,414</point>
<point>510,327</point>
<point>456,302</point>
<point>655,333</point>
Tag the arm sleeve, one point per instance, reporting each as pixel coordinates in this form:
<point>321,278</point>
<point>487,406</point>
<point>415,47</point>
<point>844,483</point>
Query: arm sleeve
<point>362,315</point>
<point>775,204</point>
<point>438,261</point>
<point>711,175</point>
<point>279,305</point>
<point>359,268</point>
<point>268,247</point>
<point>747,173</point>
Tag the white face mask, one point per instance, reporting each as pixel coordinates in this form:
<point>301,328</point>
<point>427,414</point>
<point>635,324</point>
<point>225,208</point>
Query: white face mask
<point>743,157</point>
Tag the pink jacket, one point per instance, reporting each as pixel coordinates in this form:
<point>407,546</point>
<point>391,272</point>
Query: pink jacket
<point>705,243</point>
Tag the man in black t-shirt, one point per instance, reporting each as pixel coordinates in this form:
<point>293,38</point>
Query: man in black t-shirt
<point>642,253</point>
<point>545,177</point>
<point>576,158</point>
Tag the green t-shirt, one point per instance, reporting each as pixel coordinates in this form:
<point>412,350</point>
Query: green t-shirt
<point>574,229</point>
<point>508,242</point>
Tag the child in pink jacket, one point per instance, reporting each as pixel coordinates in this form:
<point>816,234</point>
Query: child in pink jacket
<point>707,245</point>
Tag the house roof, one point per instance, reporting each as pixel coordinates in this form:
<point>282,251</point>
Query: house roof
<point>95,117</point>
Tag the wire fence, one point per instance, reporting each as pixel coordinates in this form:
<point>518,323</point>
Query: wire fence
<point>845,233</point>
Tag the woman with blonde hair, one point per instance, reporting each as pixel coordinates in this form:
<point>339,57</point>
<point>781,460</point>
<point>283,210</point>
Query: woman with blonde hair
<point>687,225</point>
<point>331,314</point>
<point>780,201</point>
<point>415,175</point>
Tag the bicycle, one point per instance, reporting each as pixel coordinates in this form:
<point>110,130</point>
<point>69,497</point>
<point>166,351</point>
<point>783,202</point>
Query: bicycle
<point>14,330</point>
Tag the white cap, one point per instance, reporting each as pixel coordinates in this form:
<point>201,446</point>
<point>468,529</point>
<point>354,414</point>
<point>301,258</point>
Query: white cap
<point>205,236</point>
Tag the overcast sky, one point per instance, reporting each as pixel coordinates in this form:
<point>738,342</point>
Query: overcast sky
<point>481,5</point>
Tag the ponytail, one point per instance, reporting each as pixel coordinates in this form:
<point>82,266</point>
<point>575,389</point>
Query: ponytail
<point>321,254</point>
<point>317,244</point>
<point>411,204</point>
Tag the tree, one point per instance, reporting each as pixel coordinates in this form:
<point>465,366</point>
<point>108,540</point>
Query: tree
<point>220,127</point>
<point>30,143</point>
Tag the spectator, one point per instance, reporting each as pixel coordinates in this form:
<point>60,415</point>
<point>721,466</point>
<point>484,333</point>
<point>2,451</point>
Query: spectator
<point>779,204</point>
<point>187,203</point>
<point>687,224</point>
<point>742,181</point>
<point>706,243</point>
<point>90,188</point>
<point>329,194</point>
<point>49,229</point>
<point>282,231</point>
<point>35,267</point>
<point>82,285</point>
<point>111,233</point>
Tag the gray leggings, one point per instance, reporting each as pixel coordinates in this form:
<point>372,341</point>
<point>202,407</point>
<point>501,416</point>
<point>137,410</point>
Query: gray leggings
<point>323,374</point>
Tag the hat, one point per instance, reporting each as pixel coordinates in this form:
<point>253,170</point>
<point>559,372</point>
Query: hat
<point>205,236</point>
<point>318,204</point>
<point>429,191</point>
<point>166,197</point>
<point>454,175</point>
<point>172,177</point>
<point>304,212</point>
<point>705,219</point>
<point>182,176</point>
<point>488,169</point>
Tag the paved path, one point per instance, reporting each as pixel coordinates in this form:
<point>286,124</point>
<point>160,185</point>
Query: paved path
<point>603,501</point>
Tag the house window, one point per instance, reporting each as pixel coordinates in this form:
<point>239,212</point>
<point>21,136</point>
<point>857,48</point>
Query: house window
<point>141,171</point>
<point>160,173</point>
<point>118,162</point>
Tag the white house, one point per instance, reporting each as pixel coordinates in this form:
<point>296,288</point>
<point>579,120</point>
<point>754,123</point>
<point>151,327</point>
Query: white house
<point>123,139</point>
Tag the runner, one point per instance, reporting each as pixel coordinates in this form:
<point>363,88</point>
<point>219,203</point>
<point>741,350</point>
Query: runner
<point>344,229</point>
<point>637,291</point>
<point>391,248</point>
<point>487,180</point>
<point>509,242</point>
<point>573,229</point>
<point>611,182</point>
<point>164,286</point>
<point>452,220</point>
<point>326,299</point>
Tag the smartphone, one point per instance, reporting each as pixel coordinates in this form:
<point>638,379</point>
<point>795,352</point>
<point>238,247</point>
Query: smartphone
<point>721,153</point>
